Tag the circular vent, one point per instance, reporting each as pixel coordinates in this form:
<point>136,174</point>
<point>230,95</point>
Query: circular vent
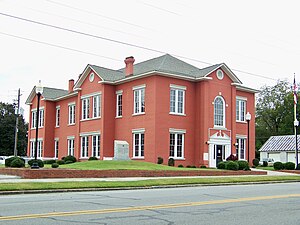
<point>92,76</point>
<point>220,74</point>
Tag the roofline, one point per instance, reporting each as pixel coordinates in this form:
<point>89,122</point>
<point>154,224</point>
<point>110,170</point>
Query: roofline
<point>244,88</point>
<point>72,94</point>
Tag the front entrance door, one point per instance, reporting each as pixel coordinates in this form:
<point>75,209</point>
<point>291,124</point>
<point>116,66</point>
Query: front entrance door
<point>219,153</point>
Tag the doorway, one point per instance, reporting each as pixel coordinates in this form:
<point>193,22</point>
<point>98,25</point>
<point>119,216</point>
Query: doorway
<point>219,153</point>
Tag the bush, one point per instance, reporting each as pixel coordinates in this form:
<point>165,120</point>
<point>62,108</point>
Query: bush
<point>8,161</point>
<point>255,162</point>
<point>50,161</point>
<point>278,166</point>
<point>55,165</point>
<point>298,167</point>
<point>60,162</point>
<point>68,162</point>
<point>202,166</point>
<point>17,163</point>
<point>180,165</point>
<point>232,165</point>
<point>232,158</point>
<point>221,165</point>
<point>289,166</point>
<point>265,164</point>
<point>171,162</point>
<point>70,158</point>
<point>38,161</point>
<point>193,166</point>
<point>160,160</point>
<point>188,166</point>
<point>93,158</point>
<point>243,165</point>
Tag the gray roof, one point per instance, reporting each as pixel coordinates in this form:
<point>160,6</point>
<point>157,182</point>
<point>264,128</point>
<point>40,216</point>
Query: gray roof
<point>48,94</point>
<point>280,143</point>
<point>108,74</point>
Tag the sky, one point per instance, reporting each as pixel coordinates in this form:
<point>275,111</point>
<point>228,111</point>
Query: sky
<point>53,41</point>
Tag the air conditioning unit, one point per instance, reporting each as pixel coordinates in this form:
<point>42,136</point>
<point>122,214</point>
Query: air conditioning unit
<point>121,150</point>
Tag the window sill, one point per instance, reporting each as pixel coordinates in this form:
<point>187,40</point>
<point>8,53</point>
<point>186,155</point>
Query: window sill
<point>34,128</point>
<point>177,114</point>
<point>118,117</point>
<point>84,158</point>
<point>71,124</point>
<point>177,158</point>
<point>88,119</point>
<point>56,127</point>
<point>220,128</point>
<point>138,114</point>
<point>238,121</point>
<point>138,158</point>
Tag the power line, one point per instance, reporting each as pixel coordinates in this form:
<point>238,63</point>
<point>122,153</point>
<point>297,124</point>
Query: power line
<point>120,42</point>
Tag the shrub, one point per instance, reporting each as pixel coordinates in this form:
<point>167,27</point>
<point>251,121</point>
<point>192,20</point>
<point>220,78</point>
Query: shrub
<point>278,166</point>
<point>70,158</point>
<point>50,161</point>
<point>193,166</point>
<point>17,163</point>
<point>160,160</point>
<point>255,162</point>
<point>231,165</point>
<point>93,158</point>
<point>55,165</point>
<point>180,165</point>
<point>171,162</point>
<point>289,166</point>
<point>68,162</point>
<point>221,165</point>
<point>8,161</point>
<point>202,166</point>
<point>232,158</point>
<point>60,162</point>
<point>38,161</point>
<point>188,166</point>
<point>298,167</point>
<point>265,164</point>
<point>243,165</point>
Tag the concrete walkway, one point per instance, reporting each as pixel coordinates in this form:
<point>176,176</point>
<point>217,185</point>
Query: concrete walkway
<point>275,173</point>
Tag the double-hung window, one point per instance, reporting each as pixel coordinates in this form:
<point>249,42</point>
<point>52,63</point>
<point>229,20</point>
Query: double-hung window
<point>34,116</point>
<point>177,143</point>
<point>71,145</point>
<point>240,109</point>
<point>85,108</point>
<point>84,146</point>
<point>241,148</point>
<point>119,103</point>
<point>56,144</point>
<point>72,113</point>
<point>219,112</point>
<point>57,116</point>
<point>96,145</point>
<point>139,99</point>
<point>39,148</point>
<point>138,143</point>
<point>96,106</point>
<point>177,99</point>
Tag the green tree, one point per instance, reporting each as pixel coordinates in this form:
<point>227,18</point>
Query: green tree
<point>274,112</point>
<point>7,130</point>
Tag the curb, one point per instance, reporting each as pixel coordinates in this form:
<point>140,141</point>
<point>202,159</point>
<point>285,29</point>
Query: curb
<point>139,188</point>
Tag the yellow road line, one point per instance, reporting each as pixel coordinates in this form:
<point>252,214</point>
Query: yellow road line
<point>140,208</point>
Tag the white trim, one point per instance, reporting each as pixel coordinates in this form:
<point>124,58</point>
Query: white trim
<point>91,133</point>
<point>178,87</point>
<point>139,87</point>
<point>138,130</point>
<point>39,139</point>
<point>88,119</point>
<point>241,136</point>
<point>71,103</point>
<point>179,131</point>
<point>58,107</point>
<point>241,98</point>
<point>35,109</point>
<point>70,137</point>
<point>56,139</point>
<point>119,92</point>
<point>64,97</point>
<point>224,112</point>
<point>90,95</point>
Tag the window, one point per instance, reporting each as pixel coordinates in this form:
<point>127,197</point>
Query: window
<point>177,94</point>
<point>240,110</point>
<point>41,118</point>
<point>176,145</point>
<point>71,113</point>
<point>33,118</point>
<point>84,146</point>
<point>240,148</point>
<point>219,112</point>
<point>119,104</point>
<point>85,108</point>
<point>138,144</point>
<point>96,106</point>
<point>32,148</point>
<point>71,145</point>
<point>96,146</point>
<point>56,148</point>
<point>57,116</point>
<point>139,100</point>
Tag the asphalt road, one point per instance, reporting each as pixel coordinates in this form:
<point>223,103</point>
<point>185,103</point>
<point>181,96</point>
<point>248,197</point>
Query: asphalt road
<point>242,204</point>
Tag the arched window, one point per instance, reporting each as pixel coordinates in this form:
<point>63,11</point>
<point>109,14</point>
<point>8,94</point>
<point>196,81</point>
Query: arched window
<point>219,112</point>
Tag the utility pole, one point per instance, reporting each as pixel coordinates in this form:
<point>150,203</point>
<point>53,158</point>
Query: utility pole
<point>17,124</point>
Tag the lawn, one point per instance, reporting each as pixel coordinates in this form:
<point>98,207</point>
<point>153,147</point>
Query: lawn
<point>265,167</point>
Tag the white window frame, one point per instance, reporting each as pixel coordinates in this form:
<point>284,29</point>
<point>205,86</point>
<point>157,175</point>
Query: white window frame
<point>96,141</point>
<point>39,148</point>
<point>139,99</point>
<point>241,106</point>
<point>32,147</point>
<point>174,107</point>
<point>138,135</point>
<point>71,113</point>
<point>33,119</point>
<point>84,149</point>
<point>216,122</point>
<point>57,116</point>
<point>85,105</point>
<point>56,148</point>
<point>177,133</point>
<point>97,106</point>
<point>71,145</point>
<point>241,145</point>
<point>41,117</point>
<point>119,104</point>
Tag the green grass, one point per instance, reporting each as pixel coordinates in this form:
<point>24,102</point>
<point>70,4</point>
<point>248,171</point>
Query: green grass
<point>143,183</point>
<point>266,167</point>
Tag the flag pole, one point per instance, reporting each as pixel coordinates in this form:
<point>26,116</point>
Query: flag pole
<point>296,122</point>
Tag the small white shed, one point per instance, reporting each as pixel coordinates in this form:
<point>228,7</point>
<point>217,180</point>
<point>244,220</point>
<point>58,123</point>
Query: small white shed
<point>280,148</point>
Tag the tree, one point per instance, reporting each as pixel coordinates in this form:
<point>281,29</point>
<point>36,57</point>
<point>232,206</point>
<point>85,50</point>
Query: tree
<point>7,130</point>
<point>274,112</point>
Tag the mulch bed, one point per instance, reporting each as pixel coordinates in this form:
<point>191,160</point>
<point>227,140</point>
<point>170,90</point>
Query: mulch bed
<point>72,173</point>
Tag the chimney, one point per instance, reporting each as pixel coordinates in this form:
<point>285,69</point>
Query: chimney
<point>129,65</point>
<point>71,85</point>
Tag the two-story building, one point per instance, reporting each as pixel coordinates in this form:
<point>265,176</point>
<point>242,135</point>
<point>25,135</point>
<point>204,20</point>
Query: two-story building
<point>162,107</point>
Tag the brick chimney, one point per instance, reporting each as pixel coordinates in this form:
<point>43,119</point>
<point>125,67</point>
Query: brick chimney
<point>129,65</point>
<point>71,85</point>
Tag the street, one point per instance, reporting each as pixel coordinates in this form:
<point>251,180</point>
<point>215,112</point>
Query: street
<point>237,204</point>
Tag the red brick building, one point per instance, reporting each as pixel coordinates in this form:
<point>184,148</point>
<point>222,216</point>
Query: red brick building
<point>162,107</point>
